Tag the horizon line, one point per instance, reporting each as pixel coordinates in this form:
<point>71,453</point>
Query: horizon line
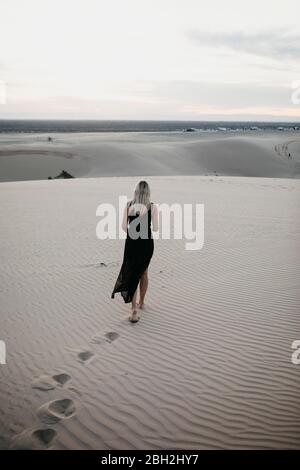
<point>146,120</point>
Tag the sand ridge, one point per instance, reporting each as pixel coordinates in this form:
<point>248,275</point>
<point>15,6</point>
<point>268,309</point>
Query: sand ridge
<point>209,363</point>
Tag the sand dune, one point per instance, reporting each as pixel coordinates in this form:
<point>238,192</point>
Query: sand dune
<point>208,365</point>
<point>26,157</point>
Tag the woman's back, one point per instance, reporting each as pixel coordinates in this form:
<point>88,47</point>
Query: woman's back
<point>139,221</point>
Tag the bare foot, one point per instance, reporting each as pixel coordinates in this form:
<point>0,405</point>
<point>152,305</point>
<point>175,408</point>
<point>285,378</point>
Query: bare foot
<point>134,317</point>
<point>141,305</point>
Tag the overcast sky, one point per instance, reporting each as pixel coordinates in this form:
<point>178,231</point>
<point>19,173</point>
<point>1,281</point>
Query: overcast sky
<point>150,59</point>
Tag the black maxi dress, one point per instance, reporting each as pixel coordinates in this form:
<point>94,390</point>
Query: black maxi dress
<point>137,255</point>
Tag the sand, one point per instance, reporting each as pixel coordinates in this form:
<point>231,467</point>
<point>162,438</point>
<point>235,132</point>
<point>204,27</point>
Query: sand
<point>265,154</point>
<point>208,366</point>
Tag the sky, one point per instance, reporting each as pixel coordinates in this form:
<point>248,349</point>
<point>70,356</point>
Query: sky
<point>150,59</point>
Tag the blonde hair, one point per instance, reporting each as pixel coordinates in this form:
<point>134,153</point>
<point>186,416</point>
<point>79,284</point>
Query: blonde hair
<point>141,198</point>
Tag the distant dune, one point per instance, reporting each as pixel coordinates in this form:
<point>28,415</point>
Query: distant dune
<point>27,157</point>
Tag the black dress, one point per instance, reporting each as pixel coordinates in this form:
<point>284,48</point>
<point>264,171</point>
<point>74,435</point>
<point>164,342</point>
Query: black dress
<point>137,254</point>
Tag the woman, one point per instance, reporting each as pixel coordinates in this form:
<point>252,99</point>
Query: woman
<point>139,247</point>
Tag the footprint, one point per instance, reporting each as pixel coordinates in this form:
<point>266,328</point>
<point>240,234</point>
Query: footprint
<point>108,337</point>
<point>57,410</point>
<point>34,440</point>
<point>62,379</point>
<point>85,356</point>
<point>50,382</point>
<point>111,336</point>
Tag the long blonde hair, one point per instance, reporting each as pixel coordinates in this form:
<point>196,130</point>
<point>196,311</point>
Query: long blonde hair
<point>141,198</point>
